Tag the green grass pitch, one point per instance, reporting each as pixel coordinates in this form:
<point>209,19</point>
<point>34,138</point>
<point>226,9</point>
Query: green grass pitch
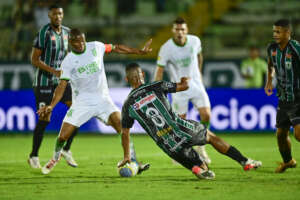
<point>97,177</point>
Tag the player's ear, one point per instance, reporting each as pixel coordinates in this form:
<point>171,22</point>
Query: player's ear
<point>143,74</point>
<point>126,79</point>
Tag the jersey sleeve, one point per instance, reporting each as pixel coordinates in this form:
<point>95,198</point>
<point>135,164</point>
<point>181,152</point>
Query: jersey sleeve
<point>162,58</point>
<point>39,41</point>
<point>100,47</point>
<point>168,87</point>
<point>199,45</point>
<point>127,121</point>
<point>65,70</point>
<point>296,47</point>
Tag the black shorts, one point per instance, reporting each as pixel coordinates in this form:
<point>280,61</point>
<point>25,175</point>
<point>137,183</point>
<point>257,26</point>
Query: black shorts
<point>188,157</point>
<point>288,114</point>
<point>43,95</point>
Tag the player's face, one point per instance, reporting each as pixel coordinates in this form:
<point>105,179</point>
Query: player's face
<point>78,43</point>
<point>280,34</point>
<point>254,53</point>
<point>56,16</point>
<point>179,33</point>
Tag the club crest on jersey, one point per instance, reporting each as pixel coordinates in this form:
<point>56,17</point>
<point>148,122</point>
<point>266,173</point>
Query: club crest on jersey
<point>53,37</point>
<point>274,53</point>
<point>288,64</point>
<point>144,101</point>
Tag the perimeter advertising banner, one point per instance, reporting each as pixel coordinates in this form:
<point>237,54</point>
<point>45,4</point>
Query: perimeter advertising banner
<point>232,110</point>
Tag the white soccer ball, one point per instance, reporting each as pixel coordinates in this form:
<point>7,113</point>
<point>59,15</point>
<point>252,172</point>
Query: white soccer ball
<point>128,170</point>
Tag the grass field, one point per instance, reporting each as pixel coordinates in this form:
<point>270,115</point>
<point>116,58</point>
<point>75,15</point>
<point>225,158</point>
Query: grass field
<point>97,177</point>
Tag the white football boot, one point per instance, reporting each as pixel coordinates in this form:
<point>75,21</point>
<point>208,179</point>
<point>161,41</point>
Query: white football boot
<point>69,158</point>
<point>34,162</point>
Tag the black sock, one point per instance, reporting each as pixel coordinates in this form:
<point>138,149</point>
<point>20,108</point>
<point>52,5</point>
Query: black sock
<point>236,155</point>
<point>38,134</point>
<point>286,155</point>
<point>70,140</point>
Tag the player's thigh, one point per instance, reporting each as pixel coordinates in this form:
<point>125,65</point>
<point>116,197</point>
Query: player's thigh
<point>67,96</point>
<point>283,121</point>
<point>66,130</point>
<point>114,120</point>
<point>105,109</point>
<point>79,114</point>
<point>43,97</point>
<point>201,100</point>
<point>180,103</point>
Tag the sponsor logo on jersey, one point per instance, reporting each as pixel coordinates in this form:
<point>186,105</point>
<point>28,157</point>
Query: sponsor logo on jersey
<point>144,101</point>
<point>164,131</point>
<point>53,38</point>
<point>289,56</point>
<point>274,53</point>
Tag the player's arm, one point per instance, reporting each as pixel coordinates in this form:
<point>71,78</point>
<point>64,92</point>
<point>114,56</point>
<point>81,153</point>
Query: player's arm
<point>200,62</point>
<point>159,72</point>
<point>183,85</point>
<point>123,49</point>
<point>125,145</point>
<point>270,75</point>
<point>36,61</point>
<point>58,94</point>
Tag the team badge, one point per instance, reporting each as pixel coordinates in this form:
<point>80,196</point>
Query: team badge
<point>53,37</point>
<point>274,53</point>
<point>289,56</point>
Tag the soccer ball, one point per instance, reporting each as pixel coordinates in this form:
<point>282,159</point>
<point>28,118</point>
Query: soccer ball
<point>128,170</point>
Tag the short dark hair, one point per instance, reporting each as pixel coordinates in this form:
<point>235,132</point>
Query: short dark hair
<point>74,32</point>
<point>285,23</point>
<point>179,20</point>
<point>55,6</point>
<point>131,66</point>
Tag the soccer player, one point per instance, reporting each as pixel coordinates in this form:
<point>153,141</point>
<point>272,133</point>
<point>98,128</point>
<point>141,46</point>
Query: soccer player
<point>148,104</point>
<point>183,56</point>
<point>284,59</point>
<point>49,49</point>
<point>83,67</point>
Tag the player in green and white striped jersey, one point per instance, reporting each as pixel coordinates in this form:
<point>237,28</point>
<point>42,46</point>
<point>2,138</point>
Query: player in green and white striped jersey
<point>284,59</point>
<point>148,104</point>
<point>49,49</point>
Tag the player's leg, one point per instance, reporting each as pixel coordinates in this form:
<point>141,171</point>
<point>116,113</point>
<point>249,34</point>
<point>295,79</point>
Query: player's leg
<point>283,124</point>
<point>202,103</point>
<point>42,98</point>
<point>66,153</point>
<point>190,159</point>
<point>64,134</point>
<point>230,151</point>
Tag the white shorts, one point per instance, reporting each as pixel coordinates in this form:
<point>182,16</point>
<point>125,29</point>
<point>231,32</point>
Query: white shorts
<point>79,113</point>
<point>196,94</point>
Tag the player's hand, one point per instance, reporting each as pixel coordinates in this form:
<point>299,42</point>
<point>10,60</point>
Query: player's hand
<point>44,111</point>
<point>269,88</point>
<point>184,79</point>
<point>57,73</point>
<point>123,162</point>
<point>146,49</point>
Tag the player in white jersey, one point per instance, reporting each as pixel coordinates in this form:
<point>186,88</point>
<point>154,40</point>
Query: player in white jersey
<point>84,69</point>
<point>182,54</point>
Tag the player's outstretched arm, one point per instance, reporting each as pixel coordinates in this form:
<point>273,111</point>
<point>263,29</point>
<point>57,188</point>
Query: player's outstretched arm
<point>123,49</point>
<point>183,85</point>
<point>36,61</point>
<point>126,148</point>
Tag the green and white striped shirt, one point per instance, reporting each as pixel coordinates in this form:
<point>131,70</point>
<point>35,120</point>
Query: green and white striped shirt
<point>54,48</point>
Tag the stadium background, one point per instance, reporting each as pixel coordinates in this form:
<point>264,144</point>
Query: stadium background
<point>226,28</point>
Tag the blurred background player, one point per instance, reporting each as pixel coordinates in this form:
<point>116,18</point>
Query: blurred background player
<point>284,59</point>
<point>183,55</point>
<point>49,49</point>
<point>149,105</point>
<point>253,69</point>
<point>83,67</point>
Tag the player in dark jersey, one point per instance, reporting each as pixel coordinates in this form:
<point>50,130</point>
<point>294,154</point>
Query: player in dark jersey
<point>49,49</point>
<point>284,59</point>
<point>148,104</point>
